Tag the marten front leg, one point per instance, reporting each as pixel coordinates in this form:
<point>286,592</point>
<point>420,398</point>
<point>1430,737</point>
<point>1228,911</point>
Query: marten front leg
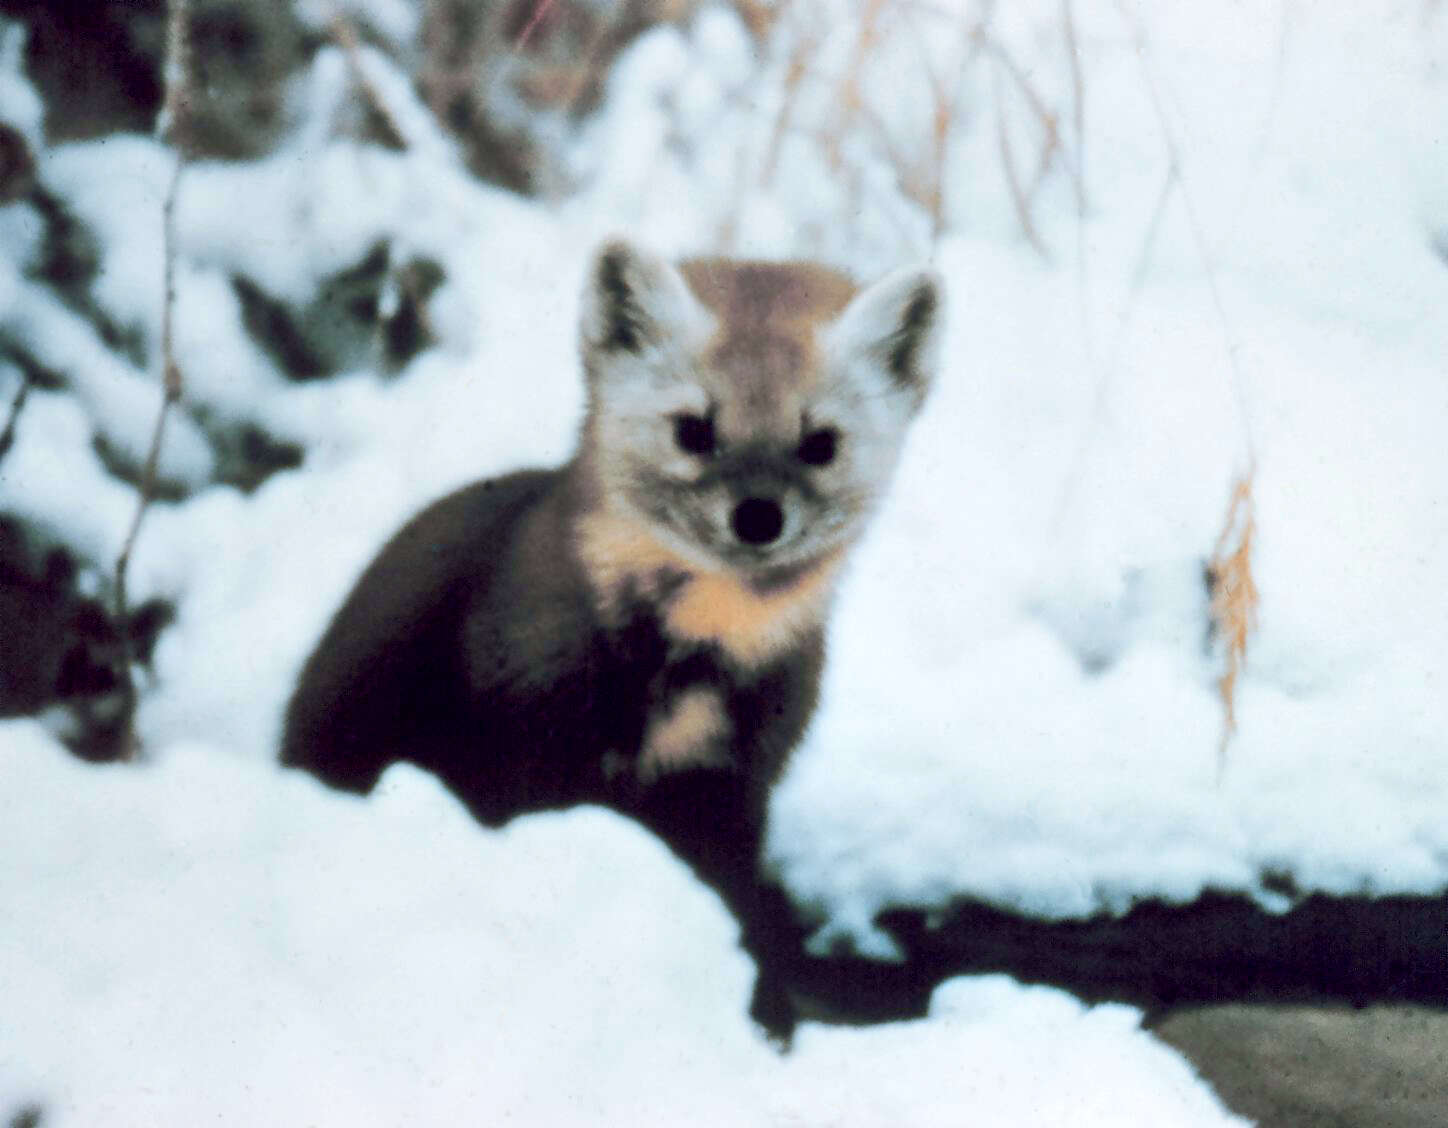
<point>710,750</point>
<point>709,818</point>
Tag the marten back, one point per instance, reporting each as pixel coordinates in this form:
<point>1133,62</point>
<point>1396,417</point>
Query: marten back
<point>388,681</point>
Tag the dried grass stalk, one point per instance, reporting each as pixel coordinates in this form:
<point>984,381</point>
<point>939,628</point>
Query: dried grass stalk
<point>1234,599</point>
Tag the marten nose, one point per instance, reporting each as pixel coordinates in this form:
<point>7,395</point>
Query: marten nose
<point>758,520</point>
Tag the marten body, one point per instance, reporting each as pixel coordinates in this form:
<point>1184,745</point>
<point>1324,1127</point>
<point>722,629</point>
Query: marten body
<point>643,627</point>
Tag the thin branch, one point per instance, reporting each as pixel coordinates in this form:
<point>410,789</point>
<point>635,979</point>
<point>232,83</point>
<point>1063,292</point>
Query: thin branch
<point>1045,117</point>
<point>539,14</point>
<point>1199,238</point>
<point>1008,164</point>
<point>174,121</point>
<point>1118,343</point>
<point>1083,260</point>
<point>345,36</point>
<point>820,136</point>
<point>1078,101</point>
<point>12,420</point>
<point>849,99</point>
<point>1234,591</point>
<point>798,67</point>
<point>944,99</point>
<point>174,125</point>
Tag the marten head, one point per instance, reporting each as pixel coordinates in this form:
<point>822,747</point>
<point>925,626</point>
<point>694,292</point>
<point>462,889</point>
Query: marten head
<point>750,414</point>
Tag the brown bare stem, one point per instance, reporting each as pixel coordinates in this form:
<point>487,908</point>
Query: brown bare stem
<point>1048,120</point>
<point>345,36</point>
<point>173,125</point>
<point>540,13</point>
<point>849,99</point>
<point>1234,593</point>
<point>1013,183</point>
<point>795,72</point>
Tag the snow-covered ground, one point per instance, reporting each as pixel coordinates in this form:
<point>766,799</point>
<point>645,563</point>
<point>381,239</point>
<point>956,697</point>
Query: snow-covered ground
<point>1021,703</point>
<point>207,941</point>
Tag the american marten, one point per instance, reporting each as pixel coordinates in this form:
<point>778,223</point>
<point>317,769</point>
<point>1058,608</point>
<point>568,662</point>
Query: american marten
<point>643,627</point>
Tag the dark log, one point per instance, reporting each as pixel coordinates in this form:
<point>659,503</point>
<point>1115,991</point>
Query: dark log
<point>1220,947</point>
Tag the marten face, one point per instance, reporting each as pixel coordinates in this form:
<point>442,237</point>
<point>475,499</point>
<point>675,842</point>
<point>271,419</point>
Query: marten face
<point>750,414</point>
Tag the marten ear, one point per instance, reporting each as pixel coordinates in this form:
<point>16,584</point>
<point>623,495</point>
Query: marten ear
<point>634,303</point>
<point>895,326</point>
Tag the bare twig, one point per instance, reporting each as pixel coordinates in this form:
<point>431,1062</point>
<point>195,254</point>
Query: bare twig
<point>930,193</point>
<point>174,121</point>
<point>173,125</point>
<point>923,179</point>
<point>1046,118</point>
<point>1083,260</point>
<point>1199,238</point>
<point>345,36</point>
<point>1118,342</point>
<point>795,72</point>
<point>12,419</point>
<point>540,13</point>
<point>1008,164</point>
<point>849,98</point>
<point>1078,102</point>
<point>1234,592</point>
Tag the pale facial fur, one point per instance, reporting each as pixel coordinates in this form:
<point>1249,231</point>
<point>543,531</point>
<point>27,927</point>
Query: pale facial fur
<point>750,414</point>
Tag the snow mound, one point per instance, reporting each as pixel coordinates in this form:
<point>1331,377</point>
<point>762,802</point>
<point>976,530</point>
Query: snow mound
<point>204,940</point>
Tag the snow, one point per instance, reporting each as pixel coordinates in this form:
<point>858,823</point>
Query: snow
<point>1021,700</point>
<point>275,953</point>
<point>21,107</point>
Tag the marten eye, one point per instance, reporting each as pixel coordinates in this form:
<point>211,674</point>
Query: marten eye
<point>818,447</point>
<point>694,434</point>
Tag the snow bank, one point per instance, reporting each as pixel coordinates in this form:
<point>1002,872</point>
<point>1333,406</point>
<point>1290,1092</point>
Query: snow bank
<point>208,940</point>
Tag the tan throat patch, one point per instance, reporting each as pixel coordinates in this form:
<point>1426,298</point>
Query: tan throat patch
<point>622,555</point>
<point>748,626</point>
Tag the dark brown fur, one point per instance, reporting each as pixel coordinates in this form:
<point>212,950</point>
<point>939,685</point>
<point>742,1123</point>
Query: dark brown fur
<point>473,647</point>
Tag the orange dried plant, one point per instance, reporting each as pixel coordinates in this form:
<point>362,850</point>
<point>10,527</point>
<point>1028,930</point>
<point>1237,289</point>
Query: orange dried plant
<point>1234,598</point>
